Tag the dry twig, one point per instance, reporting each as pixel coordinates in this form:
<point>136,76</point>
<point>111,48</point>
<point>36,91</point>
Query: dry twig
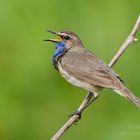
<point>88,99</point>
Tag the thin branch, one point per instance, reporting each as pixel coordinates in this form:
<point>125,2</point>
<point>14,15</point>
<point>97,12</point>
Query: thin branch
<point>88,99</point>
<point>73,119</point>
<point>129,40</point>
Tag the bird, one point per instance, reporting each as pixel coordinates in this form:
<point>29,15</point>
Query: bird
<point>81,67</point>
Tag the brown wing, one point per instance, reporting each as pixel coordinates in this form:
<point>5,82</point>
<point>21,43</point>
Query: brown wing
<point>84,66</point>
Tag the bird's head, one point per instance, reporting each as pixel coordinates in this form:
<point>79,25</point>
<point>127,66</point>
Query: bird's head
<point>66,38</point>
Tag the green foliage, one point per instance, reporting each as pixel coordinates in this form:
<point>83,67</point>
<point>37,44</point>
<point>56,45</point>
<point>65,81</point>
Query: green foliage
<point>34,99</point>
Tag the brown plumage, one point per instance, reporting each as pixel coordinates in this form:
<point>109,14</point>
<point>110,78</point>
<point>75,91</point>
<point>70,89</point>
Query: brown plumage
<point>82,68</point>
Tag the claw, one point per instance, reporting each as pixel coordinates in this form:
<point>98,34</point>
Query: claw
<point>78,113</point>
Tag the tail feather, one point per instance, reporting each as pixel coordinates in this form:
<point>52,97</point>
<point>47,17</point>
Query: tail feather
<point>129,96</point>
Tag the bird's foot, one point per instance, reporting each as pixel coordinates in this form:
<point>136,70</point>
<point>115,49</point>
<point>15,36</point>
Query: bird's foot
<point>78,113</point>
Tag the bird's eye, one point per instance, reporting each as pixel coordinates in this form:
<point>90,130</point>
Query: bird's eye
<point>66,37</point>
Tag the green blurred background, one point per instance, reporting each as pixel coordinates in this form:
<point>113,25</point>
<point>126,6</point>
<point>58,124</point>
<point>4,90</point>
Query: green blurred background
<point>34,100</point>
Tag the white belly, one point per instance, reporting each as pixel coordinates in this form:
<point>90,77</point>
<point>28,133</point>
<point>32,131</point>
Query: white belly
<point>75,81</point>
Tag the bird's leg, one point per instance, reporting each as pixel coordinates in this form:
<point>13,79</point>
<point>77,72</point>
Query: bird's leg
<point>91,100</point>
<point>87,101</point>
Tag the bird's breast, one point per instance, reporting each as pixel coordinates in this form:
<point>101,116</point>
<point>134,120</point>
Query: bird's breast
<point>74,81</point>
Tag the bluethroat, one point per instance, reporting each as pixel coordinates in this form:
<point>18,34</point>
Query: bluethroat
<point>83,69</point>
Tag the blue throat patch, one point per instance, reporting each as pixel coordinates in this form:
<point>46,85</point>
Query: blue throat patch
<point>60,48</point>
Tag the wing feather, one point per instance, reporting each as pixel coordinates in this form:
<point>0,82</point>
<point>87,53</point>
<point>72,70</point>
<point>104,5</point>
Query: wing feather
<point>84,66</point>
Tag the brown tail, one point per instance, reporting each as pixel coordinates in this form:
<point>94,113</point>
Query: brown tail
<point>129,95</point>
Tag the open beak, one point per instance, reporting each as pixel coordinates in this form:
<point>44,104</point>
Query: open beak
<point>57,39</point>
